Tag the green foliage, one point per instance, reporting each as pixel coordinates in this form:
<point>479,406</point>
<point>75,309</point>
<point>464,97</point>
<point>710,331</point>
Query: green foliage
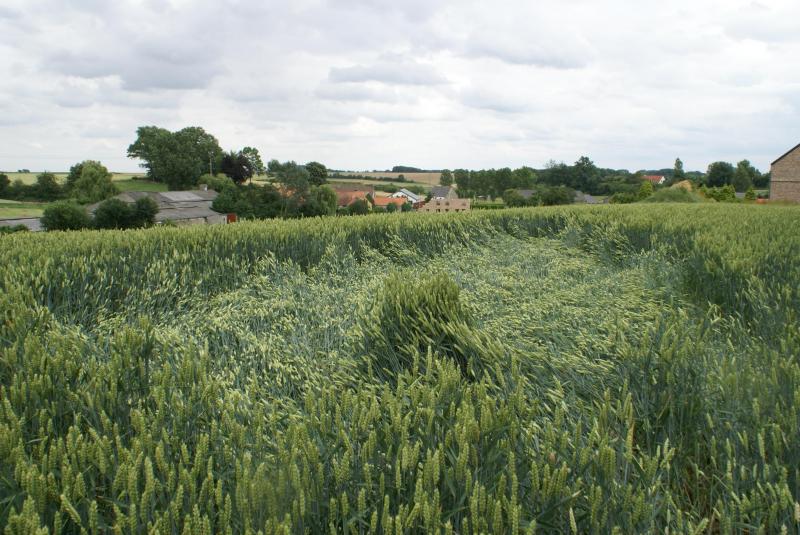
<point>750,194</point>
<point>446,178</point>
<point>745,176</point>
<point>65,215</point>
<point>358,207</point>
<point>722,194</point>
<point>317,173</point>
<point>719,174</point>
<point>406,207</point>
<point>47,187</point>
<point>237,166</point>
<point>216,182</point>
<point>391,208</point>
<point>320,201</point>
<point>177,159</point>
<point>254,158</point>
<point>12,229</point>
<point>673,195</point>
<point>678,173</point>
<point>113,214</point>
<point>144,212</point>
<point>5,183</point>
<point>94,183</point>
<point>629,369</point>
<point>646,189</point>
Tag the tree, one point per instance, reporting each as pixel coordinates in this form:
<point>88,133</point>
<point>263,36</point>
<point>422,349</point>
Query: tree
<point>719,174</point>
<point>175,158</point>
<point>750,194</point>
<point>252,155</point>
<point>144,212</point>
<point>236,166</point>
<point>513,198</point>
<point>65,215</point>
<point>391,208</point>
<point>274,167</point>
<point>584,174</point>
<point>47,188</point>
<point>761,180</point>
<point>295,178</point>
<point>321,200</point>
<point>94,183</point>
<point>317,173</point>
<point>407,207</point>
<point>217,183</point>
<point>645,190</point>
<point>446,179</point>
<point>462,180</point>
<point>4,185</point>
<point>678,174</point>
<point>744,176</point>
<point>358,207</point>
<point>113,214</point>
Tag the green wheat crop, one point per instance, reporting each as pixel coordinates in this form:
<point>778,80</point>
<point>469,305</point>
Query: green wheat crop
<point>615,369</point>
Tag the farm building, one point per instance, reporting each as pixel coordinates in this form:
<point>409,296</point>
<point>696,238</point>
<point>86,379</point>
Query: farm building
<point>412,197</point>
<point>346,195</point>
<point>443,192</point>
<point>784,183</point>
<point>446,205</point>
<point>386,201</point>
<point>179,207</point>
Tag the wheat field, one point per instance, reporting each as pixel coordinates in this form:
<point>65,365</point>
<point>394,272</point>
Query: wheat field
<point>613,369</point>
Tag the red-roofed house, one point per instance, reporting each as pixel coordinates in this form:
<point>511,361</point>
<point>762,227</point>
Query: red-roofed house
<point>386,201</point>
<point>346,198</point>
<point>657,180</point>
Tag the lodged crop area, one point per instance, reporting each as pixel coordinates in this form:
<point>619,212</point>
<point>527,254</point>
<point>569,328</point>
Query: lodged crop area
<point>568,370</point>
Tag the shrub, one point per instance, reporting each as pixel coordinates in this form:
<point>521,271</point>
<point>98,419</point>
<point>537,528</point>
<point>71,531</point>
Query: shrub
<point>65,215</point>
<point>13,229</point>
<point>144,212</point>
<point>358,207</point>
<point>113,214</point>
<point>217,182</point>
<point>673,195</point>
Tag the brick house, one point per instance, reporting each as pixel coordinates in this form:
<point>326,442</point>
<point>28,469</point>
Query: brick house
<point>446,205</point>
<point>784,184</point>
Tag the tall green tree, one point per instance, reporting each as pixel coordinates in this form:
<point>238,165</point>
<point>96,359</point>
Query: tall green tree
<point>93,184</point>
<point>744,176</point>
<point>253,156</point>
<point>678,172</point>
<point>177,159</point>
<point>446,178</point>
<point>47,187</point>
<point>317,173</point>
<point>5,183</point>
<point>719,174</point>
<point>237,166</point>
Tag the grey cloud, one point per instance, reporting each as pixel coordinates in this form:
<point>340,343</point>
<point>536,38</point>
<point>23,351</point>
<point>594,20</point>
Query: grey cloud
<point>565,53</point>
<point>401,72</point>
<point>351,92</point>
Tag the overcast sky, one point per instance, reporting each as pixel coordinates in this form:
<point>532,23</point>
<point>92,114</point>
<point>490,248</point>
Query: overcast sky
<point>363,84</point>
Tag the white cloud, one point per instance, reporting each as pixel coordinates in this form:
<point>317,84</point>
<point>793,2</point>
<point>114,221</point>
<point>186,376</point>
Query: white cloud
<point>373,83</point>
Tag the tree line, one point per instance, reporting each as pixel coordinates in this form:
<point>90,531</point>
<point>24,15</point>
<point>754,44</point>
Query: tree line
<point>587,177</point>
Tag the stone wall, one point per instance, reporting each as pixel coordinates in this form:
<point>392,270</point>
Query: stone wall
<point>785,180</point>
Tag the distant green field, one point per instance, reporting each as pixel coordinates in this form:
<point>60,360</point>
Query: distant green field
<point>139,185</point>
<point>30,178</point>
<point>12,209</point>
<point>377,182</point>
